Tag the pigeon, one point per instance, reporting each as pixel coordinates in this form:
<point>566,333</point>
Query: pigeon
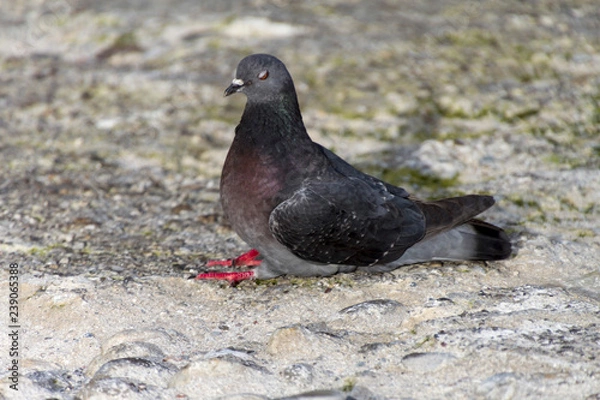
<point>304,211</point>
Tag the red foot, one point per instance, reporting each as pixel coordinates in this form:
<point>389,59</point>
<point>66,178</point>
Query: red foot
<point>245,260</point>
<point>233,277</point>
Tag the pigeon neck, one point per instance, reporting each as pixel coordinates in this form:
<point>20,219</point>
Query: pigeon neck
<point>273,122</point>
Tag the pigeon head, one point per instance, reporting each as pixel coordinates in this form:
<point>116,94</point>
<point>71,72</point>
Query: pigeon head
<point>261,77</point>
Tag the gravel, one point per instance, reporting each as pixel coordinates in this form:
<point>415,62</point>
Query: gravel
<point>113,130</point>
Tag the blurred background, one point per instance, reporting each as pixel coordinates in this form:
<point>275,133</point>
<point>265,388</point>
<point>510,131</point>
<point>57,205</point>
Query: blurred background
<point>113,127</point>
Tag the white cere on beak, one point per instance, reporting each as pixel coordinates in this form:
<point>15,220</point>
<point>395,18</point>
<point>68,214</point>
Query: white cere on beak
<point>237,82</point>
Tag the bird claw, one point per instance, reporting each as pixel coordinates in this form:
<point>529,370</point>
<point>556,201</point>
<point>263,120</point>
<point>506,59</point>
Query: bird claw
<point>232,277</point>
<point>247,259</point>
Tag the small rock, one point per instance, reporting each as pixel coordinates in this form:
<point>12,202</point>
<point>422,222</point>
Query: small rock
<point>372,307</point>
<point>426,361</point>
<point>300,343</point>
<point>137,369</point>
<point>56,381</point>
<point>362,393</point>
<point>218,377</point>
<point>168,340</point>
<point>298,373</point>
<point>380,315</point>
<point>140,350</point>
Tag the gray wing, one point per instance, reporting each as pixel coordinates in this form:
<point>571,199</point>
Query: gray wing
<point>347,221</point>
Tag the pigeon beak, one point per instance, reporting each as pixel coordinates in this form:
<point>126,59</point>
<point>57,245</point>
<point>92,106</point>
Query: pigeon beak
<point>236,86</point>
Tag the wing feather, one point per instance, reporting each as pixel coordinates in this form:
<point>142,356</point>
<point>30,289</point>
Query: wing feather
<point>349,220</point>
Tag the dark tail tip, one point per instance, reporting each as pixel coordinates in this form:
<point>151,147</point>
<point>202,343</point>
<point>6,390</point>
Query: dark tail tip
<point>492,242</point>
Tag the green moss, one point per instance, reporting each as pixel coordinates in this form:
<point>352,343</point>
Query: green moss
<point>214,44</point>
<point>469,38</point>
<point>38,292</point>
<point>341,109</point>
<point>343,61</point>
<point>586,233</point>
<point>595,118</point>
<point>38,252</point>
<point>462,135</point>
<point>568,204</point>
<point>126,41</point>
<point>423,341</point>
<point>301,282</point>
<point>521,202</point>
<point>158,253</point>
<point>107,20</point>
<point>521,52</point>
<point>535,213</point>
<point>590,209</point>
<point>311,78</point>
<point>526,112</point>
<point>43,252</point>
<point>554,159</point>
<point>324,10</point>
<point>228,20</point>
<point>266,282</point>
<point>563,159</point>
<point>345,280</point>
<point>349,384</point>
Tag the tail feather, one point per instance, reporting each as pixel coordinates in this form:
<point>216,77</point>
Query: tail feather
<point>474,240</point>
<point>492,243</point>
<point>446,214</point>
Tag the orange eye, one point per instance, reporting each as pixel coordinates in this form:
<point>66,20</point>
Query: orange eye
<point>263,75</point>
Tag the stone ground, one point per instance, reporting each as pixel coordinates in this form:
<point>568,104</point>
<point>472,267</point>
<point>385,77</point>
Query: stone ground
<point>113,131</point>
